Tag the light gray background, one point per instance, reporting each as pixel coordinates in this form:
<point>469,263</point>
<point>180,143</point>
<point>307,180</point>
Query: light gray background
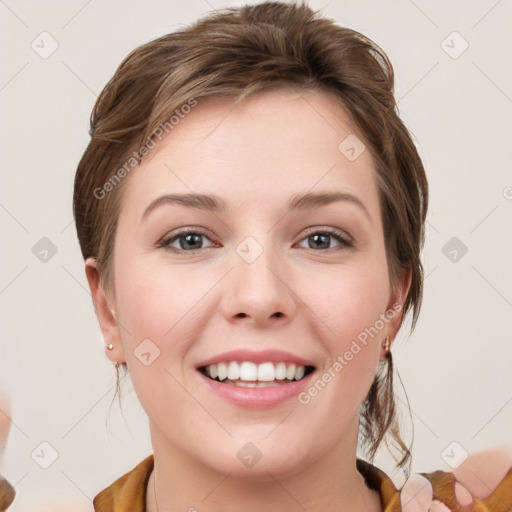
<point>456,367</point>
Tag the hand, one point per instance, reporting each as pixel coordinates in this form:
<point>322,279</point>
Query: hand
<point>477,477</point>
<point>7,491</point>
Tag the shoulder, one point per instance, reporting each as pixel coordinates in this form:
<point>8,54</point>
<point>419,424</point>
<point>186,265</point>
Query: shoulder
<point>127,493</point>
<point>482,483</point>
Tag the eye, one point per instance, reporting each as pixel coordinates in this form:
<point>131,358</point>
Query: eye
<point>188,241</point>
<point>322,239</point>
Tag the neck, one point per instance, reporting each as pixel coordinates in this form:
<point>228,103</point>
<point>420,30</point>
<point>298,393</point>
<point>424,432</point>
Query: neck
<point>331,483</point>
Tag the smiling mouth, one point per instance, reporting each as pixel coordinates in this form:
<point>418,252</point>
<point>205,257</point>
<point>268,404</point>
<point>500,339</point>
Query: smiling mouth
<point>268,377</point>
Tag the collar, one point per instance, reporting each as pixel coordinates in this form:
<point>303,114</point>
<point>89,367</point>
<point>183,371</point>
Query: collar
<point>128,493</point>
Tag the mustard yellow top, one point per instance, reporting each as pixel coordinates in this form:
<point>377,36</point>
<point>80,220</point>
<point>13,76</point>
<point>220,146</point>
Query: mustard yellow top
<point>128,493</point>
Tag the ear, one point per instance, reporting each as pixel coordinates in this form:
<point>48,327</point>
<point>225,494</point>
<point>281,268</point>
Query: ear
<point>105,311</point>
<point>397,300</point>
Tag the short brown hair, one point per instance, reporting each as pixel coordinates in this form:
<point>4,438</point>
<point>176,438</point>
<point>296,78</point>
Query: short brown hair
<point>235,52</point>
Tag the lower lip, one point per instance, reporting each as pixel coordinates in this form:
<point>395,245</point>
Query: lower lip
<point>257,398</point>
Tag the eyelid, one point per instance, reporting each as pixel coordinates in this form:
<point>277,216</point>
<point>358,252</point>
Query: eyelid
<point>181,232</point>
<point>330,231</point>
<point>343,237</point>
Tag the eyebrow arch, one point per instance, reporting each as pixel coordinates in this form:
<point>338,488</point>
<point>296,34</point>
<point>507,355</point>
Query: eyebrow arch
<point>214,203</point>
<point>317,199</point>
<point>200,201</point>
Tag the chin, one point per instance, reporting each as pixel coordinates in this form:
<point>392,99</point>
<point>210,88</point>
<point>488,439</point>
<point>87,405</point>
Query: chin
<point>248,460</point>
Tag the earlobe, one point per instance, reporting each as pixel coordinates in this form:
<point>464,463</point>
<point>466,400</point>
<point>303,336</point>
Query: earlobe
<point>114,349</point>
<point>105,313</point>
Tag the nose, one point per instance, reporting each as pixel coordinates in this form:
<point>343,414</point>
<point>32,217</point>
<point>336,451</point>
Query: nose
<point>260,292</point>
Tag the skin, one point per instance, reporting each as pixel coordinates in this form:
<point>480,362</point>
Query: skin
<point>256,156</point>
<point>7,492</point>
<point>481,472</point>
<point>5,421</point>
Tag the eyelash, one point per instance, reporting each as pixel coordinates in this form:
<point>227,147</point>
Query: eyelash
<point>165,244</point>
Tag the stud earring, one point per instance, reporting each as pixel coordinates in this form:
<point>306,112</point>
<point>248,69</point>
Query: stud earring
<point>110,346</point>
<point>385,345</point>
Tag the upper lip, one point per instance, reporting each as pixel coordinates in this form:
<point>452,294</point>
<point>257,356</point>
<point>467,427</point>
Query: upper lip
<point>262,356</point>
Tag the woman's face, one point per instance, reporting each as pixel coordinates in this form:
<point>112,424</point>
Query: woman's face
<point>253,275</point>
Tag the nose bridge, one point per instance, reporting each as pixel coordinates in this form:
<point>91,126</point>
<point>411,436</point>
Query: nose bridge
<point>257,285</point>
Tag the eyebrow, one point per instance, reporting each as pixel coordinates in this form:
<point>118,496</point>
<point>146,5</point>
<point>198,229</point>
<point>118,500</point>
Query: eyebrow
<point>214,203</point>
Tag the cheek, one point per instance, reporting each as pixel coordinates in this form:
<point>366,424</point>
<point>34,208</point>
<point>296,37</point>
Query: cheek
<point>154,304</point>
<point>346,300</point>
<point>165,304</point>
<point>154,296</point>
<point>348,304</point>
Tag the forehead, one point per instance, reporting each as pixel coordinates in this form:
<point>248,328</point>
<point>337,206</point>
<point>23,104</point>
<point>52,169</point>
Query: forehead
<point>267,148</point>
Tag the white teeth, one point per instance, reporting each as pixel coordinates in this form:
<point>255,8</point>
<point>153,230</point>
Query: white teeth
<point>266,372</point>
<point>243,384</point>
<point>280,371</point>
<point>290,372</point>
<point>250,372</point>
<point>222,370</point>
<point>233,370</point>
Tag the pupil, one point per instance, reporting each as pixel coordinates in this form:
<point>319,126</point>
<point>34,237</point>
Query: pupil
<point>324,237</point>
<point>188,239</point>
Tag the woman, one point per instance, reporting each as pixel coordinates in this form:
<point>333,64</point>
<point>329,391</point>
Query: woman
<point>251,212</point>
